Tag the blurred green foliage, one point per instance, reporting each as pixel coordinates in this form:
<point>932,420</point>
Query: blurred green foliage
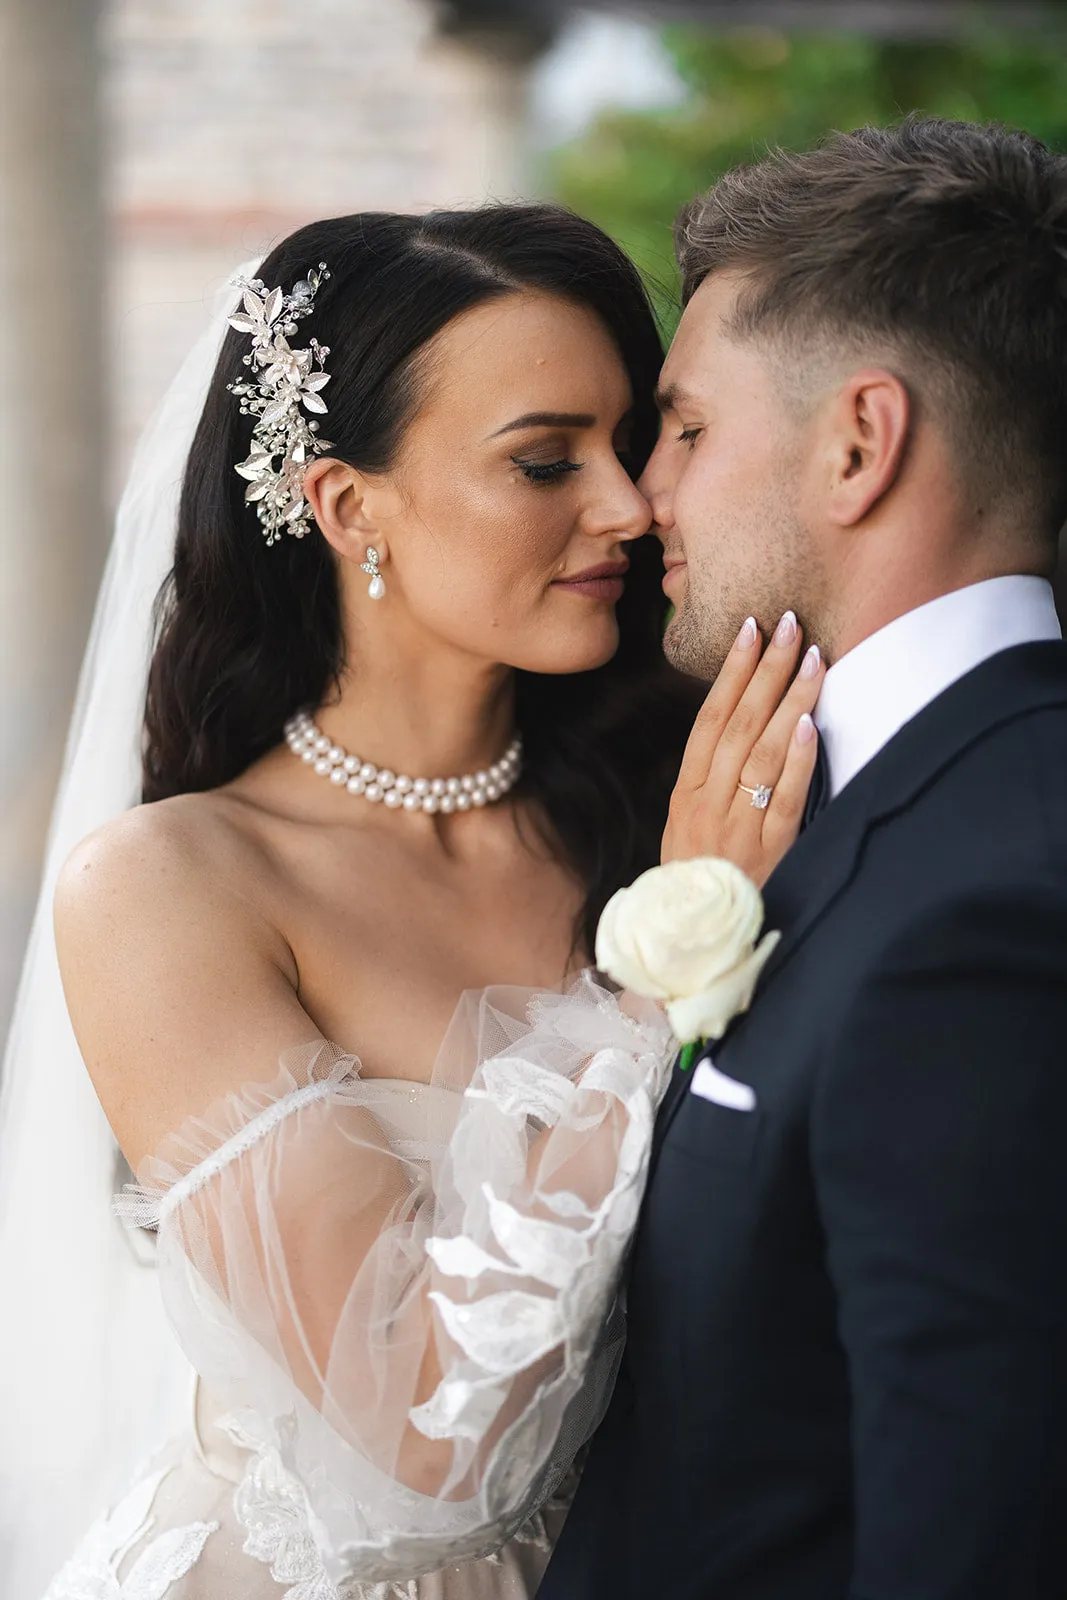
<point>753,88</point>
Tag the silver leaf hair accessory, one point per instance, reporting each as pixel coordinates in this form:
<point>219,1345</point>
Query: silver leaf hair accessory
<point>283,440</point>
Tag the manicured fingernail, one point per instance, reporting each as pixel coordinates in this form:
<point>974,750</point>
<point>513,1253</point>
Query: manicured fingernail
<point>809,667</point>
<point>786,630</point>
<point>747,637</point>
<point>805,729</point>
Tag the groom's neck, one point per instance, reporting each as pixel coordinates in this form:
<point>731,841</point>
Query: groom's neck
<point>909,559</point>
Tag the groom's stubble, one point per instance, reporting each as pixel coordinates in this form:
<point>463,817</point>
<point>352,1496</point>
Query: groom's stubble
<point>736,503</point>
<point>754,557</point>
<point>708,618</point>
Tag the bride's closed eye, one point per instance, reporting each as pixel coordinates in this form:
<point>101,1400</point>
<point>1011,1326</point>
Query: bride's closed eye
<point>689,436</point>
<point>546,471</point>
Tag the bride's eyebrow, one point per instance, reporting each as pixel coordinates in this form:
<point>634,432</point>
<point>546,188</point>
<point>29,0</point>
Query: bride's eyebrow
<point>548,419</point>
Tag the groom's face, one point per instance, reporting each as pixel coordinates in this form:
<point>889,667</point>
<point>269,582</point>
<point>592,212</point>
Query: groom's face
<point>724,483</point>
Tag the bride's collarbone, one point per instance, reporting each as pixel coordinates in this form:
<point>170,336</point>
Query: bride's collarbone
<point>383,977</point>
<point>199,942</point>
<point>387,933</point>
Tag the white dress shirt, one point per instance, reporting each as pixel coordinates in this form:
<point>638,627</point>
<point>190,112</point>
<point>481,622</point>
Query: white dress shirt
<point>870,693</point>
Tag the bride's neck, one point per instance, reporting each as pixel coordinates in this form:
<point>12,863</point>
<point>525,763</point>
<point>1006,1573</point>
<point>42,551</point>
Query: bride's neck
<point>432,713</point>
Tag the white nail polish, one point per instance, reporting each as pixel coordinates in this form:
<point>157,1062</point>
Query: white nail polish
<point>811,663</point>
<point>747,637</point>
<point>786,630</point>
<point>805,729</point>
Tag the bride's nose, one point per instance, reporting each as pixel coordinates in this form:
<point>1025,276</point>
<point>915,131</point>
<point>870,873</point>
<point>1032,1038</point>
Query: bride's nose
<point>624,513</point>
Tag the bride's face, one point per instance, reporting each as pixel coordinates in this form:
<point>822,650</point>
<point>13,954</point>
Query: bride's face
<point>504,523</point>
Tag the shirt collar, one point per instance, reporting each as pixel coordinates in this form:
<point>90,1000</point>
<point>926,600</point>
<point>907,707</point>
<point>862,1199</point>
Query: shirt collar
<point>894,674</point>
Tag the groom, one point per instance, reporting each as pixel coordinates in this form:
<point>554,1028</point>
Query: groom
<point>847,1366</point>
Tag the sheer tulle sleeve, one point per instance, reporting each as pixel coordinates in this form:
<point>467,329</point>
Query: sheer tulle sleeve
<point>403,1292</point>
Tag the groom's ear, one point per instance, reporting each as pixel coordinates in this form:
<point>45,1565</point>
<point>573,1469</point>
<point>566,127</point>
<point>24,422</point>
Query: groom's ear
<point>868,425</point>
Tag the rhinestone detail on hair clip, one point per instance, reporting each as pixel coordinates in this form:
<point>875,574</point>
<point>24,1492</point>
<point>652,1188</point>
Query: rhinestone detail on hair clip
<point>283,380</point>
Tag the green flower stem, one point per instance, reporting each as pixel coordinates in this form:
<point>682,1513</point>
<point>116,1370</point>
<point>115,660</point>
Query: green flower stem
<point>688,1055</point>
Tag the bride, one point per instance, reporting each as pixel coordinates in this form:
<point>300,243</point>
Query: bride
<point>408,727</point>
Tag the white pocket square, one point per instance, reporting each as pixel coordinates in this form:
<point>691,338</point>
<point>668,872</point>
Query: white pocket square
<point>711,1084</point>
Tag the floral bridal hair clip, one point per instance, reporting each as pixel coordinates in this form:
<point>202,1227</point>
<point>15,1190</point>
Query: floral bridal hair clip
<point>281,382</point>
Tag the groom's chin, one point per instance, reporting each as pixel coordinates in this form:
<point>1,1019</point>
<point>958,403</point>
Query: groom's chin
<point>671,638</point>
<point>698,638</point>
<point>684,647</point>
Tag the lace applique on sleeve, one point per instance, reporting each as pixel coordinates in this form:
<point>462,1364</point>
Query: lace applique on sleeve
<point>163,1559</point>
<point>403,1291</point>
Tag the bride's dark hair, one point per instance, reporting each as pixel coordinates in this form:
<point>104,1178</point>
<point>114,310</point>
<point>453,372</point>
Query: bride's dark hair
<point>250,634</point>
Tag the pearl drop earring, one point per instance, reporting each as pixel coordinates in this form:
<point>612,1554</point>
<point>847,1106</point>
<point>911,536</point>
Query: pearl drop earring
<point>372,565</point>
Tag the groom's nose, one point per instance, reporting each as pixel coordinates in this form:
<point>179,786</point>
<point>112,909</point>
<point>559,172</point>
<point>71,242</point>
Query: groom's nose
<point>656,484</point>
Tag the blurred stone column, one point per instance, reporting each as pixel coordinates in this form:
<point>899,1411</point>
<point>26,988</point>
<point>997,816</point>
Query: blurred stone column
<point>52,419</point>
<point>488,49</point>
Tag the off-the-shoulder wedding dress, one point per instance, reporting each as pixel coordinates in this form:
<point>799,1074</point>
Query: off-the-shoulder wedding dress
<point>400,1299</point>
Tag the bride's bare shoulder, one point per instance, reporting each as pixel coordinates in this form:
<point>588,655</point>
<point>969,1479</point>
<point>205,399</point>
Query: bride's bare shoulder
<point>176,854</point>
<point>175,973</point>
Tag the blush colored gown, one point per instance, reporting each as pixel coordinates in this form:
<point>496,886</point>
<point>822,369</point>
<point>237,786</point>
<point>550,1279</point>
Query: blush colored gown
<point>400,1302</point>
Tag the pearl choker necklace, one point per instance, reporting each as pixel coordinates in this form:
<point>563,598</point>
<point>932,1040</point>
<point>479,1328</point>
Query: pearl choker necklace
<point>415,794</point>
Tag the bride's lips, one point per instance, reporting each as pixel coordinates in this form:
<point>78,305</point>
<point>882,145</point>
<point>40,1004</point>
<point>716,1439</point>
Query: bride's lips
<point>597,583</point>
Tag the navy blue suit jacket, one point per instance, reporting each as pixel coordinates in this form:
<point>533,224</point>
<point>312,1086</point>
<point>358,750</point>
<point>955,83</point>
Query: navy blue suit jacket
<point>846,1375</point>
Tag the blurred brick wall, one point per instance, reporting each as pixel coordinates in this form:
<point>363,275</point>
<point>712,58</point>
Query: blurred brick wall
<point>231,124</point>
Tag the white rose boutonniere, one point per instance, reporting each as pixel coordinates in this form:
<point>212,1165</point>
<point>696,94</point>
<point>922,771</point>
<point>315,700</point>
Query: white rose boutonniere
<point>686,933</point>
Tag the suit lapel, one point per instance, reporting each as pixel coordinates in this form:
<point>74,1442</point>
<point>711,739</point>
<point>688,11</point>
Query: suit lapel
<point>822,862</point>
<point>671,1101</point>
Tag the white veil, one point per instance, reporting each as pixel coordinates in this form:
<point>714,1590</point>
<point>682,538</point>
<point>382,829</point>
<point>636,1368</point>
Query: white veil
<point>91,1377</point>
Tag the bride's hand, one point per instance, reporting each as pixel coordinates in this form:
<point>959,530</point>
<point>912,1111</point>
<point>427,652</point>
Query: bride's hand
<point>754,730</point>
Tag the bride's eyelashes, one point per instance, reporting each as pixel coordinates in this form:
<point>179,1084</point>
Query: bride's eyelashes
<point>689,436</point>
<point>546,471</point>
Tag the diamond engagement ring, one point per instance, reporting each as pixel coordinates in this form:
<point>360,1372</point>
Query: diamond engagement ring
<point>761,795</point>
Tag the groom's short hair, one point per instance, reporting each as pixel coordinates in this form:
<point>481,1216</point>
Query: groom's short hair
<point>942,244</point>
